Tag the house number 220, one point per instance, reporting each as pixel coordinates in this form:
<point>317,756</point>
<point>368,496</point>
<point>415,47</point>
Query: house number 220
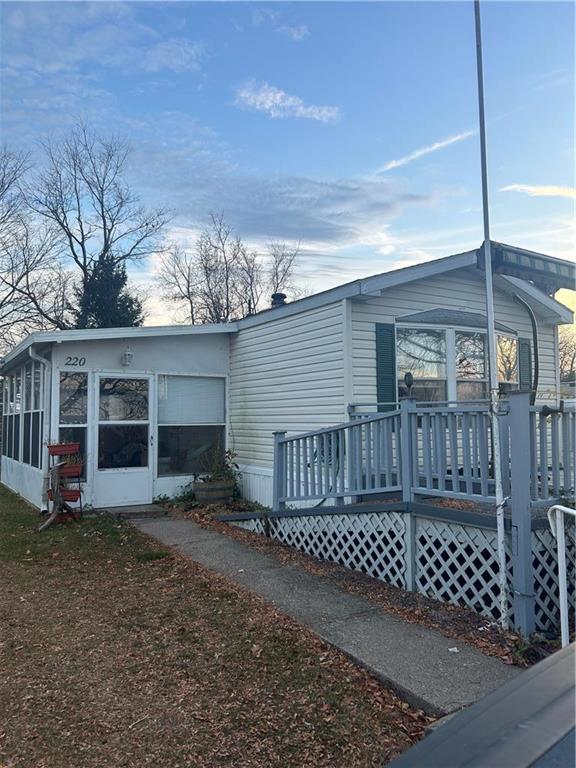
<point>72,360</point>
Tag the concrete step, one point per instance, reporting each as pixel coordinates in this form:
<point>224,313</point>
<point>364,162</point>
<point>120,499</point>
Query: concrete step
<point>136,512</point>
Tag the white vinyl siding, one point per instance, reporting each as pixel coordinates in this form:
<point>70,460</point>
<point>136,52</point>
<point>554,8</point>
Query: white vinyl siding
<point>460,290</point>
<point>287,374</point>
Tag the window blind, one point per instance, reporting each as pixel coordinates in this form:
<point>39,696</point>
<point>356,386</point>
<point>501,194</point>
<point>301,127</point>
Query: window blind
<point>190,400</point>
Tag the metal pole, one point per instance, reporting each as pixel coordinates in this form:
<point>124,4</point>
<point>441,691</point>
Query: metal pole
<point>493,373</point>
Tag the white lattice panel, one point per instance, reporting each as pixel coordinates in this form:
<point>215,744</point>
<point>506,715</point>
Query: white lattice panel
<point>458,564</point>
<point>455,563</point>
<point>255,525</point>
<point>372,543</point>
<point>545,564</point>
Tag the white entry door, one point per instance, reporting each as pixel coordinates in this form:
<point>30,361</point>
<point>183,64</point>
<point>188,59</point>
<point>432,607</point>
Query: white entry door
<point>123,465</point>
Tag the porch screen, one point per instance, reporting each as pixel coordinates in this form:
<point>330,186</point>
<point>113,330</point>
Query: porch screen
<point>191,423</point>
<point>22,415</point>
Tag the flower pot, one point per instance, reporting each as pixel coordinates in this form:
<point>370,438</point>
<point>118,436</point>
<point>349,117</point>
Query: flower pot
<point>63,449</point>
<point>69,494</point>
<point>71,470</point>
<point>216,492</point>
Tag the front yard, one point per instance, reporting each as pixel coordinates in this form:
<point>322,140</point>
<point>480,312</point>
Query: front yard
<point>114,652</point>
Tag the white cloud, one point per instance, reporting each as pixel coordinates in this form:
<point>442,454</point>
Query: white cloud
<point>275,102</point>
<point>541,190</point>
<point>418,153</point>
<point>267,16</point>
<point>53,38</point>
<point>176,54</point>
<point>294,33</point>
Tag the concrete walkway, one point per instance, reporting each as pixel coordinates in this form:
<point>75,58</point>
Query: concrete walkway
<point>415,661</point>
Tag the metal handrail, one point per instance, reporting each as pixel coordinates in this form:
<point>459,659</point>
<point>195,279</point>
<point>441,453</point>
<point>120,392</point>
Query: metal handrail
<point>556,520</point>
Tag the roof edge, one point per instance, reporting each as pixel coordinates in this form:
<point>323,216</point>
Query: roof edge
<point>103,334</point>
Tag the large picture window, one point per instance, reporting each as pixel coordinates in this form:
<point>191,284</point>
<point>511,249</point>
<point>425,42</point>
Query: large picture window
<point>452,364</point>
<point>191,423</point>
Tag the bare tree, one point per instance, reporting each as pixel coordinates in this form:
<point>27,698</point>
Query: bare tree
<point>179,280</point>
<point>282,260</point>
<point>83,195</point>
<point>19,265</point>
<point>12,168</point>
<point>62,228</point>
<point>222,280</point>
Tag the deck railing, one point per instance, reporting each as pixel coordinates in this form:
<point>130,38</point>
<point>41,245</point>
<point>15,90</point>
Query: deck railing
<point>426,449</point>
<point>552,438</point>
<point>452,452</point>
<point>351,459</point>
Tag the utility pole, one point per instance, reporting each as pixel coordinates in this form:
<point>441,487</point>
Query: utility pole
<point>491,334</point>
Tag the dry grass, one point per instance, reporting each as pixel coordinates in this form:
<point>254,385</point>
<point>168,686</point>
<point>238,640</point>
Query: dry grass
<point>117,653</point>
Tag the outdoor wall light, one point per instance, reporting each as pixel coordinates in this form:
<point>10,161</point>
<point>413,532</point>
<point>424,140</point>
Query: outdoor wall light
<point>126,357</point>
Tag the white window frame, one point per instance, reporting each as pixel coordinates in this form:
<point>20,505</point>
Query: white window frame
<point>450,337</point>
<point>159,424</point>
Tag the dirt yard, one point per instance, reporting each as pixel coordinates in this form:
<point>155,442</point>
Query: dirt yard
<point>117,653</point>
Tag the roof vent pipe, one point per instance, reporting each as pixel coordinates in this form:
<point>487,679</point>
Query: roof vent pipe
<point>278,300</point>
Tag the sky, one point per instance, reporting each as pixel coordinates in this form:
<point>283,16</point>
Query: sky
<point>349,129</point>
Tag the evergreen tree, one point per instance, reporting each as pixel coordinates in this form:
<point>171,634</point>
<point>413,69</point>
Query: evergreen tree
<point>104,300</point>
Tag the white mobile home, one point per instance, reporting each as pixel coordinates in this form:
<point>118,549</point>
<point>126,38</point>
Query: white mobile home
<point>146,402</point>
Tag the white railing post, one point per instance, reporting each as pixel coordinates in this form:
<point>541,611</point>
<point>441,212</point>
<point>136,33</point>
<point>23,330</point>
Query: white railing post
<point>522,570</point>
<point>279,472</point>
<point>556,519</point>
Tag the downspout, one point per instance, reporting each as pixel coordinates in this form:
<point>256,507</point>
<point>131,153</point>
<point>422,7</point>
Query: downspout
<point>536,377</point>
<point>47,421</point>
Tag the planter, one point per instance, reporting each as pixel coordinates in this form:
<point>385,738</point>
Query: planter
<point>69,494</point>
<point>217,492</point>
<point>71,470</point>
<point>63,449</point>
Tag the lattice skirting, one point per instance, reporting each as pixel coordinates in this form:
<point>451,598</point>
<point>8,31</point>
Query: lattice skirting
<point>459,564</point>
<point>453,562</point>
<point>255,525</point>
<point>545,564</point>
<point>373,543</point>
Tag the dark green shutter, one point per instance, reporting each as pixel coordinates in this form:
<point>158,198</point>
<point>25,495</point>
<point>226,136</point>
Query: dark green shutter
<point>385,365</point>
<point>525,364</point>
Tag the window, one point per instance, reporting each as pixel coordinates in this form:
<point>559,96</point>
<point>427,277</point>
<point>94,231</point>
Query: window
<point>452,364</point>
<point>422,352</point>
<point>471,366</point>
<point>191,422</point>
<point>122,446</point>
<point>73,398</point>
<point>123,400</point>
<point>73,417</point>
<point>22,415</point>
<point>507,356</point>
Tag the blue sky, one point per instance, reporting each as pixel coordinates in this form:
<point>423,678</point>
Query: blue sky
<point>347,127</point>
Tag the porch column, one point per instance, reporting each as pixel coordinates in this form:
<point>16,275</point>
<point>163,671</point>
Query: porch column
<point>279,472</point>
<point>522,571</point>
